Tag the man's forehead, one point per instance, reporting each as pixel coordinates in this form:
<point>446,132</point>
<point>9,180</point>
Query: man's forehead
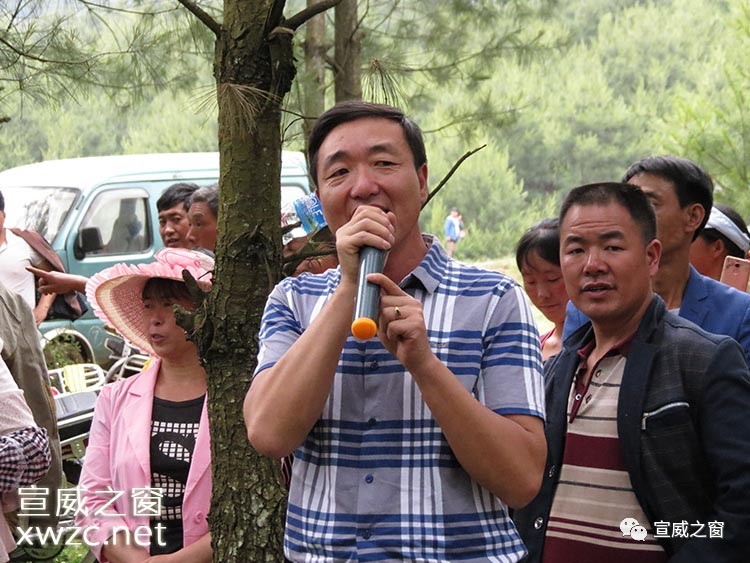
<point>605,216</point>
<point>390,134</point>
<point>177,210</point>
<point>382,146</point>
<point>197,208</point>
<point>650,183</point>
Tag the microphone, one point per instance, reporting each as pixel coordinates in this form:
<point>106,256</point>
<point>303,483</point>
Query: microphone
<point>365,324</point>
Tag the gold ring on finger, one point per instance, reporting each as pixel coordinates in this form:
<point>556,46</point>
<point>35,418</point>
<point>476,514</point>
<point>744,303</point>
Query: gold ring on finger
<point>398,312</point>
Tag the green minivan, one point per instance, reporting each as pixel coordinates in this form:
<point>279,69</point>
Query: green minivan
<point>74,201</point>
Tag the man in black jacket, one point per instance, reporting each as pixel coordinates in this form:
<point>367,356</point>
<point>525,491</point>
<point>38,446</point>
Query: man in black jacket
<point>647,426</point>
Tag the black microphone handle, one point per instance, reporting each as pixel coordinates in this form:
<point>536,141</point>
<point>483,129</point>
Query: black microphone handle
<point>371,260</point>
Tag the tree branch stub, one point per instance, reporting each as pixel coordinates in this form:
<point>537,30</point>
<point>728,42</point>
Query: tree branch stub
<point>308,13</point>
<point>199,13</point>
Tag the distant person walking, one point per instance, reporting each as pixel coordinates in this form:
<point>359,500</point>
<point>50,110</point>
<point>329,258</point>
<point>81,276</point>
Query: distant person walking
<point>452,230</point>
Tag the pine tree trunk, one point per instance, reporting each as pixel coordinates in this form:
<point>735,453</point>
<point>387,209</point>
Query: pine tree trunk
<point>253,74</point>
<point>347,52</point>
<point>313,96</point>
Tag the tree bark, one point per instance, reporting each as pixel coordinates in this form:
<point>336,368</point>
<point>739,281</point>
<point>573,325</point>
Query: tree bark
<point>313,96</point>
<point>254,69</point>
<point>348,83</point>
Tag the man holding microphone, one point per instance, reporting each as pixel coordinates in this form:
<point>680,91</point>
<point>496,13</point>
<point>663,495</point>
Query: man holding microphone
<point>410,445</point>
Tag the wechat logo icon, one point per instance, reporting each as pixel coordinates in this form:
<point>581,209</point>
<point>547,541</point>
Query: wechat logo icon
<point>631,527</point>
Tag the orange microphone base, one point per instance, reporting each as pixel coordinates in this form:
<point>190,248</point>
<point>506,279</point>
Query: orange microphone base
<point>364,328</point>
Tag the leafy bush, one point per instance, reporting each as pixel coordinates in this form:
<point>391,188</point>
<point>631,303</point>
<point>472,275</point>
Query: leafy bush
<point>62,350</point>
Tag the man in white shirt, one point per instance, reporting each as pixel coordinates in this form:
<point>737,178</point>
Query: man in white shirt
<point>15,256</point>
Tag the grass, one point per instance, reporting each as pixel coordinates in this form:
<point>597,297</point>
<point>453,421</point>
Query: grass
<point>72,554</point>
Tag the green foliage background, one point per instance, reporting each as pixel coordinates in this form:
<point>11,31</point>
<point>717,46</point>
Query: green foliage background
<point>562,93</point>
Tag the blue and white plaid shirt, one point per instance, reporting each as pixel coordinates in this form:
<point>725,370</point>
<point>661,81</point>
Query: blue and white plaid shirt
<point>375,480</point>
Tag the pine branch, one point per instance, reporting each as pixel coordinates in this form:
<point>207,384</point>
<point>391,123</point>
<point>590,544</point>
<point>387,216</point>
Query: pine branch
<point>332,64</point>
<point>308,13</point>
<point>473,117</point>
<point>27,55</point>
<point>14,15</point>
<point>298,115</point>
<point>450,173</point>
<point>209,22</point>
<point>98,5</point>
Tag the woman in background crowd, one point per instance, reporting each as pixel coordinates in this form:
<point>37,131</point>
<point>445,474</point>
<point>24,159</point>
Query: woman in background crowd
<point>724,235</point>
<point>150,431</point>
<point>538,259</point>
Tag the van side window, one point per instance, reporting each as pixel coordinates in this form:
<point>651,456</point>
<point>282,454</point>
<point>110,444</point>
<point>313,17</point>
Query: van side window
<point>117,222</point>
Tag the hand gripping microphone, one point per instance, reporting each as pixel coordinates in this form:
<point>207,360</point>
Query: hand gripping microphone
<point>365,324</point>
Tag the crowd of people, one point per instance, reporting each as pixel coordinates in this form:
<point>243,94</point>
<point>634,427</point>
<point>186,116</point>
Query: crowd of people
<point>459,432</point>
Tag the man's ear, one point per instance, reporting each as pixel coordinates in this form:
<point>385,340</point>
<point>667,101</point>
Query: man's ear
<point>695,214</point>
<point>423,191</point>
<point>717,247</point>
<point>653,254</point>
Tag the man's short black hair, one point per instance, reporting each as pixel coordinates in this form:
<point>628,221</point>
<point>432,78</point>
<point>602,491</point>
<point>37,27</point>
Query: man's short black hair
<point>542,238</point>
<point>352,110</point>
<point>2,203</point>
<point>627,195</point>
<point>176,194</point>
<point>692,183</point>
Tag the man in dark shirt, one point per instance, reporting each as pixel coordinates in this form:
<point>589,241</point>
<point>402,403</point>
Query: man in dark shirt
<point>647,426</point>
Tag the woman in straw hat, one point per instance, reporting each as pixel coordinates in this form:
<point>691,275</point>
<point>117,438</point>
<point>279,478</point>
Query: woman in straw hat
<point>149,434</point>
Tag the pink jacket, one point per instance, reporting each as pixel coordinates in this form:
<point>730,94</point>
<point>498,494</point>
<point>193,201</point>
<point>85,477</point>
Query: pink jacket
<point>118,456</point>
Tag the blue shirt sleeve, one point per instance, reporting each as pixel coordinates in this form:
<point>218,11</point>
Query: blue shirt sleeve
<point>574,320</point>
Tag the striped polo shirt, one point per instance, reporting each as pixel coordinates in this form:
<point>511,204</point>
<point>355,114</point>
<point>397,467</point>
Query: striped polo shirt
<point>594,496</point>
<point>375,480</point>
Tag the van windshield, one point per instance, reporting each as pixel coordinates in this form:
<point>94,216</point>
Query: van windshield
<point>42,209</point>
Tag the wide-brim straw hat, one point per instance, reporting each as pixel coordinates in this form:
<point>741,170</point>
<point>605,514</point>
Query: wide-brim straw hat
<point>115,293</point>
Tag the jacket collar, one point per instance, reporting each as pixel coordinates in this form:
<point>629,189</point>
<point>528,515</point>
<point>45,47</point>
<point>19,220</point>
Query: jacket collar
<point>139,427</point>
<point>696,291</point>
<point>201,462</point>
<point>140,410</point>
